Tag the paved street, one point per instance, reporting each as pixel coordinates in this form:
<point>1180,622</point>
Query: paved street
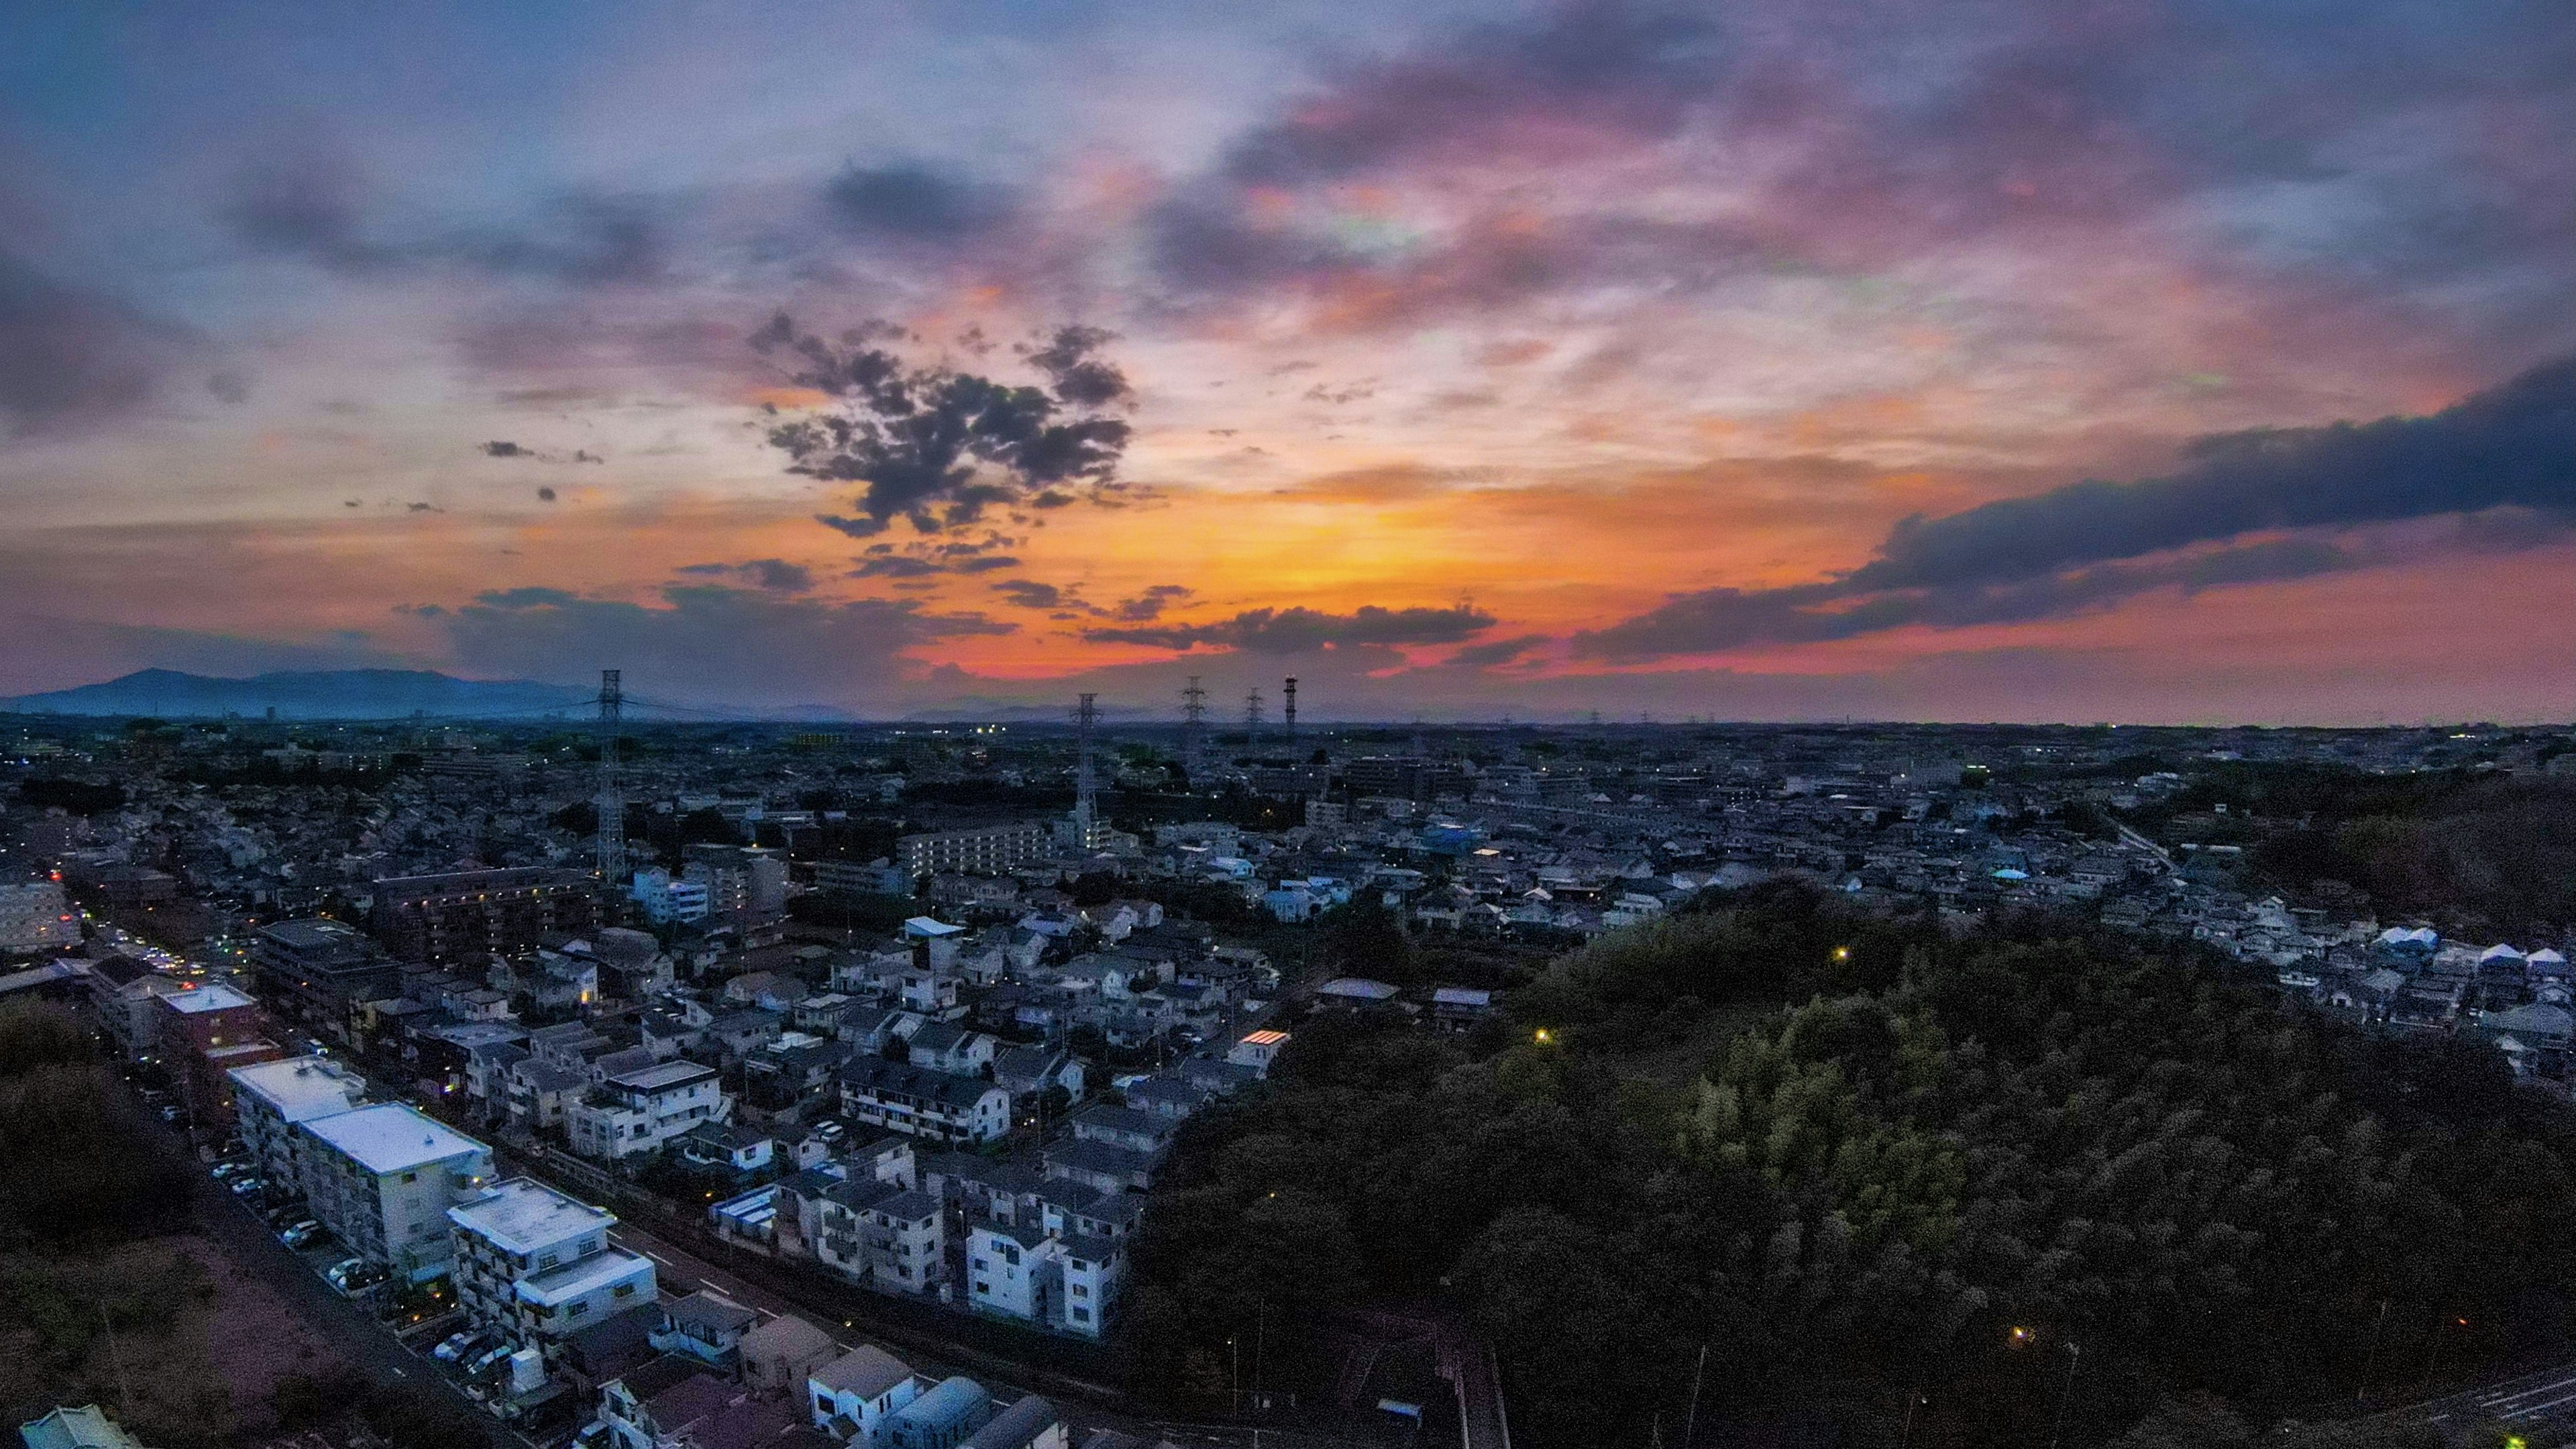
<point>2536,1404</point>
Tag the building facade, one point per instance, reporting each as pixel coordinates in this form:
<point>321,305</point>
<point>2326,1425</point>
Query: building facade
<point>471,915</point>
<point>382,1178</point>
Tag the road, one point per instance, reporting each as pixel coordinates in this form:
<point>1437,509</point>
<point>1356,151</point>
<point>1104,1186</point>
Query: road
<point>2534,1404</point>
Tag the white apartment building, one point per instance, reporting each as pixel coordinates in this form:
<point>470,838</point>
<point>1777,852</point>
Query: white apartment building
<point>536,1266</point>
<point>272,1099</point>
<point>637,1112</point>
<point>381,1178</point>
<point>922,1103</point>
<point>664,899</point>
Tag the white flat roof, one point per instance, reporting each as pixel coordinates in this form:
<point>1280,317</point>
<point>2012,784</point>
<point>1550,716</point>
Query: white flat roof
<point>213,996</point>
<point>581,1276</point>
<point>523,1215</point>
<point>391,1137</point>
<point>301,1088</point>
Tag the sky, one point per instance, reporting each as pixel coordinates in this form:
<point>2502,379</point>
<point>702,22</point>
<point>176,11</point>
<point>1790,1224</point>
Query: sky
<point>1975,360</point>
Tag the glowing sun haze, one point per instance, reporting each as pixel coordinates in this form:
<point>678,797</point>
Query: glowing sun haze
<point>2021,360</point>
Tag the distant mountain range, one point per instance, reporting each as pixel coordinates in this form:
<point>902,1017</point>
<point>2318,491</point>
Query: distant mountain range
<point>313,694</point>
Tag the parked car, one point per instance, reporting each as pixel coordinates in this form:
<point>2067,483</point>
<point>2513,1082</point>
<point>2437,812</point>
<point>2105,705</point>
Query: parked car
<point>298,1234</point>
<point>354,1276</point>
<point>245,1186</point>
<point>489,1359</point>
<point>458,1347</point>
<point>222,1170</point>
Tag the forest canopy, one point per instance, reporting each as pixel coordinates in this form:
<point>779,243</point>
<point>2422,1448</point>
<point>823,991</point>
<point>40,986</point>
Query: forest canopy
<point>2236,1214</point>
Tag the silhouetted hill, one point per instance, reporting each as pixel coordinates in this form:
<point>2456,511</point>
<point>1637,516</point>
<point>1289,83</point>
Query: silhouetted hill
<point>313,694</point>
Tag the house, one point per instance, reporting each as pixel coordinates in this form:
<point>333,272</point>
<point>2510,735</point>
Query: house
<point>943,1047</point>
<point>1029,1071</point>
<point>1104,1166</point>
<point>636,1112</point>
<point>728,1146</point>
<point>1124,1127</point>
<point>940,1418</point>
<point>87,1427</point>
<point>705,1327</point>
<point>1457,1008</point>
<point>1258,1050</point>
<point>1029,1423</point>
<point>854,1396</point>
<point>779,1355</point>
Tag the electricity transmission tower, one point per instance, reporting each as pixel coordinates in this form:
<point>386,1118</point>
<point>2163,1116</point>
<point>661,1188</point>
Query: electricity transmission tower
<point>611,803</point>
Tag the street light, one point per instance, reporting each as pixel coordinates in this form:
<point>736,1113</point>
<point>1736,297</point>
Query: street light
<point>1542,1036</point>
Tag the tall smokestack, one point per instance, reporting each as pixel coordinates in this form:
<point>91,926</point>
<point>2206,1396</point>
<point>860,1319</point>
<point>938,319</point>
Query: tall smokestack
<point>1288,708</point>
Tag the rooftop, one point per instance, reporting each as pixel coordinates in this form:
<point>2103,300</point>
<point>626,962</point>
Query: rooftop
<point>301,1088</point>
<point>391,1137</point>
<point>663,1077</point>
<point>864,1372</point>
<point>581,1276</point>
<point>213,996</point>
<point>523,1215</point>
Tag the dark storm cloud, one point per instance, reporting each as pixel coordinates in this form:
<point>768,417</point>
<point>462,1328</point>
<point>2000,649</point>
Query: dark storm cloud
<point>1149,604</point>
<point>910,202</point>
<point>312,208</point>
<point>1300,630</point>
<point>1030,594</point>
<point>937,447</point>
<point>69,355</point>
<point>1498,651</point>
<point>2261,139</point>
<point>742,646</point>
<point>2512,445</point>
<point>2500,464</point>
<point>776,575</point>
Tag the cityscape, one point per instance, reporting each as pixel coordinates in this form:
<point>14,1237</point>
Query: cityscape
<point>1133,726</point>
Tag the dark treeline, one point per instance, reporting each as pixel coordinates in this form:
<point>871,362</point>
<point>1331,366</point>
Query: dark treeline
<point>2040,1125</point>
<point>81,1166</point>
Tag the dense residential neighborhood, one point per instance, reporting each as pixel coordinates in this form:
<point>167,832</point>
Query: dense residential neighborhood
<point>865,1010</point>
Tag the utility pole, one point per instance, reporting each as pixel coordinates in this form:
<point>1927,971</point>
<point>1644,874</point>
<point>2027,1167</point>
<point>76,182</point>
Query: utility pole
<point>2066,1395</point>
<point>1193,714</point>
<point>1690,1421</point>
<point>611,803</point>
<point>1083,716</point>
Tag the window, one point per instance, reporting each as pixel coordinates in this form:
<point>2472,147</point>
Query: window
<point>1082,1315</point>
<point>577,1307</point>
<point>985,1288</point>
<point>1080,1291</point>
<point>625,1290</point>
<point>410,1177</point>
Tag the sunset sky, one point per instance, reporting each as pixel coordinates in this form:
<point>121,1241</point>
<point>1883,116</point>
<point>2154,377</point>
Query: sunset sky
<point>1748,361</point>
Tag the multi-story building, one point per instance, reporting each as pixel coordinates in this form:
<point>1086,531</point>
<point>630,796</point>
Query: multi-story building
<point>35,917</point>
<point>317,972</point>
<point>992,850</point>
<point>638,1111</point>
<point>271,1099</point>
<point>127,994</point>
<point>738,878</point>
<point>922,1103</point>
<point>861,878</point>
<point>537,1267</point>
<point>470,915</point>
<point>665,900</point>
<point>382,1178</point>
<point>1066,1284</point>
<point>204,1031</point>
<point>884,1235</point>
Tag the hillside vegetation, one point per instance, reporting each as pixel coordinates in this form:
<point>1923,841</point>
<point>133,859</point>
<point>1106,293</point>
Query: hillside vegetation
<point>2095,1139</point>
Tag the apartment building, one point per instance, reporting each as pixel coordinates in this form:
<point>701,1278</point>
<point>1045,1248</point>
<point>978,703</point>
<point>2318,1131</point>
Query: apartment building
<point>635,1112</point>
<point>992,850</point>
<point>317,972</point>
<point>1062,1283</point>
<point>201,1033</point>
<point>272,1099</point>
<point>537,1267</point>
<point>884,1235</point>
<point>922,1103</point>
<point>471,915</point>
<point>382,1177</point>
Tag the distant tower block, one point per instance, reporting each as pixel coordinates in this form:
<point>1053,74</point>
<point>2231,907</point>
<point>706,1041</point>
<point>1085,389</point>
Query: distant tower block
<point>1084,791</point>
<point>1288,709</point>
<point>611,803</point>
<point>1252,717</point>
<point>1193,713</point>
